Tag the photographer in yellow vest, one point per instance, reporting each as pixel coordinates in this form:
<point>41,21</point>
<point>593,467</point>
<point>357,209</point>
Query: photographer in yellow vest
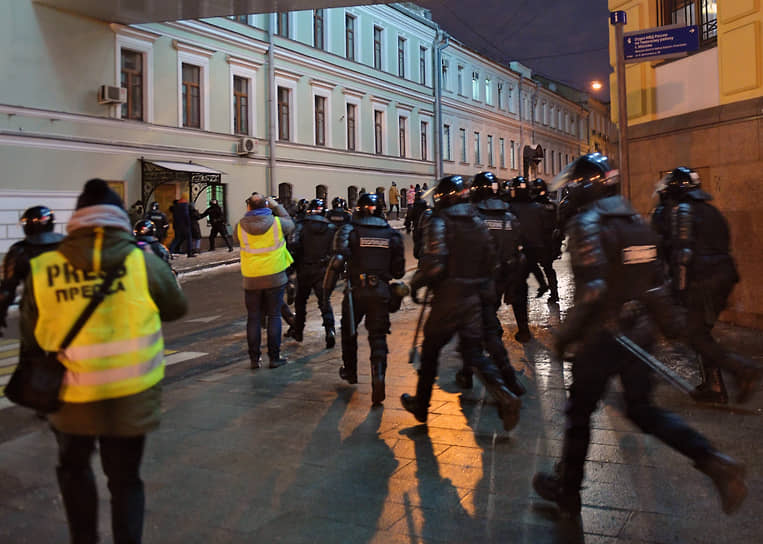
<point>262,234</point>
<point>115,363</point>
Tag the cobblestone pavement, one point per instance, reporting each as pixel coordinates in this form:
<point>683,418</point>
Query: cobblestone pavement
<point>295,455</point>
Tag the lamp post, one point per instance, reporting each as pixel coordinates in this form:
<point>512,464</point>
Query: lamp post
<point>618,20</point>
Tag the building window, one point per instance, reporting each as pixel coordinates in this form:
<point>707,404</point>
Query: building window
<point>445,85</point>
<point>462,137</point>
<point>132,80</point>
<point>283,113</point>
<point>319,21</point>
<point>489,150</point>
<point>191,96</point>
<point>241,18</point>
<point>552,162</point>
<point>488,92</point>
<point>377,48</point>
<point>502,156</point>
<point>461,80</point>
<point>423,65</point>
<point>500,95</point>
<point>240,105</point>
<point>401,57</point>
<point>402,129</point>
<point>552,117</point>
<point>349,36</point>
<point>684,13</point>
<point>510,99</point>
<point>477,155</point>
<point>378,131</point>
<point>320,120</point>
<point>351,126</point>
<point>513,157</point>
<point>446,143</point>
<point>282,24</point>
<point>424,143</point>
<point>475,85</point>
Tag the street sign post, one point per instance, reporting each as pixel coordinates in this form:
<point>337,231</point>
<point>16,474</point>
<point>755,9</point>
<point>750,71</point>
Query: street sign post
<point>618,19</point>
<point>660,43</point>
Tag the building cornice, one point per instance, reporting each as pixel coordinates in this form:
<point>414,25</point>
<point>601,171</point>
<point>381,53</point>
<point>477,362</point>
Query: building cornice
<point>133,32</point>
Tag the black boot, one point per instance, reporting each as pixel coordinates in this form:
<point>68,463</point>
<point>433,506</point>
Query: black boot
<point>510,378</point>
<point>728,477</point>
<point>549,487</point>
<point>377,383</point>
<point>277,360</point>
<point>554,297</point>
<point>464,379</point>
<point>508,403</point>
<point>412,405</point>
<point>350,377</point>
<point>523,335</point>
<point>747,375</point>
<point>330,337</point>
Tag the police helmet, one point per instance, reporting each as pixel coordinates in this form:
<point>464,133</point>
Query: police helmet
<point>38,219</point>
<point>144,227</point>
<point>316,207</point>
<point>367,204</point>
<point>449,191</point>
<point>338,203</point>
<point>520,189</point>
<point>679,182</point>
<point>154,206</point>
<point>482,187</point>
<point>302,205</point>
<point>213,202</point>
<point>586,179</point>
<point>538,188</point>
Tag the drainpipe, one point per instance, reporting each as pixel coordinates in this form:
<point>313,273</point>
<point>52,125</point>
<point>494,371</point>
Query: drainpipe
<point>272,107</point>
<point>521,127</point>
<point>440,43</point>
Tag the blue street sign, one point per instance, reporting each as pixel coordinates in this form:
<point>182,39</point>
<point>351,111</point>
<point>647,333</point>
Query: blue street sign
<point>660,42</point>
<point>618,17</point>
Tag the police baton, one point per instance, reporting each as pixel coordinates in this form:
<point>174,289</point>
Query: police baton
<point>414,355</point>
<point>648,359</point>
<point>350,305</point>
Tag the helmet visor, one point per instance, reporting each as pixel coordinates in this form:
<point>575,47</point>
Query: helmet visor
<point>566,176</point>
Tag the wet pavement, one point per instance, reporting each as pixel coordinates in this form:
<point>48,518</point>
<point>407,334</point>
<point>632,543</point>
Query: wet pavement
<point>295,455</point>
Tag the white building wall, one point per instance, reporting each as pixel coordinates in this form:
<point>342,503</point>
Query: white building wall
<point>688,84</point>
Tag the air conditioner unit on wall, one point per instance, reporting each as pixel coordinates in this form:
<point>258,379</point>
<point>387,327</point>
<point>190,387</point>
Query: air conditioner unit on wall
<point>108,94</point>
<point>246,146</point>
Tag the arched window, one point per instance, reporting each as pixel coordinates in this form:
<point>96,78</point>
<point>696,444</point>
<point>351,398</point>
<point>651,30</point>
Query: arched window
<point>321,191</point>
<point>352,196</point>
<point>285,191</point>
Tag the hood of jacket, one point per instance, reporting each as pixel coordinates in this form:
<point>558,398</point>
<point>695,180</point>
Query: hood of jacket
<point>369,221</point>
<point>99,237</point>
<point>259,224</point>
<point>492,204</point>
<point>461,210</point>
<point>614,206</point>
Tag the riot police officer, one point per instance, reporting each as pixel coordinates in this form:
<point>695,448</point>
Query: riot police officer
<point>38,223</point>
<point>159,219</point>
<point>217,222</point>
<point>704,274</point>
<point>338,213</point>
<point>552,239</point>
<point>145,233</point>
<point>504,231</point>
<point>456,263</point>
<point>538,223</point>
<point>310,245</point>
<point>301,209</point>
<point>371,253</point>
<point>618,292</point>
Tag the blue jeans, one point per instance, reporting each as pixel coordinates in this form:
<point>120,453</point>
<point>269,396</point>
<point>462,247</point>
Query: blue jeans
<point>261,302</point>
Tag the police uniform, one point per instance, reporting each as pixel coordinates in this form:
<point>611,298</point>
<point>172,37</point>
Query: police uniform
<point>618,280</point>
<point>456,263</point>
<point>374,255</point>
<point>310,245</point>
<point>159,218</point>
<point>218,226</point>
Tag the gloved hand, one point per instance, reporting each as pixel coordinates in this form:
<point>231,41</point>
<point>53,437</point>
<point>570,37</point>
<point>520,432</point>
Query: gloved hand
<point>414,295</point>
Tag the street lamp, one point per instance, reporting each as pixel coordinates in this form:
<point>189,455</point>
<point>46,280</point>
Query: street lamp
<point>596,85</point>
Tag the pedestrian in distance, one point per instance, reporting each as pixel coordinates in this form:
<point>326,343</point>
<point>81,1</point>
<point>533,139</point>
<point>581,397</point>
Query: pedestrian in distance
<point>262,235</point>
<point>38,223</point>
<point>394,201</point>
<point>338,213</point>
<point>217,224</point>
<point>703,276</point>
<point>111,390</point>
<point>456,264</point>
<point>310,246</point>
<point>619,293</point>
<point>159,219</point>
<point>369,253</point>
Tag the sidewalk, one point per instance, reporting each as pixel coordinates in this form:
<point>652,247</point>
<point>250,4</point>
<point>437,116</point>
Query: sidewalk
<point>295,455</point>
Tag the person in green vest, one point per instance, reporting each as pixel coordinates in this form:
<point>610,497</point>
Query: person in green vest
<point>262,234</point>
<point>111,389</point>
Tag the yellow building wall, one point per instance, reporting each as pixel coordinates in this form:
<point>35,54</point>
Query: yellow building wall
<point>740,55</point>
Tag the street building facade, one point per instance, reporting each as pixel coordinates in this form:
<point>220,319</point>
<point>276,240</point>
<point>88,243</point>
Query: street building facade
<point>703,111</point>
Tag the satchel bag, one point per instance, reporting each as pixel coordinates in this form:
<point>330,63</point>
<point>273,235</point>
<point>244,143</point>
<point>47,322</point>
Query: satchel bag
<point>36,381</point>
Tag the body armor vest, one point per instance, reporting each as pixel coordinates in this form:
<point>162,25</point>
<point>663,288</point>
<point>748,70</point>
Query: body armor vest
<point>531,222</point>
<point>317,235</point>
<point>504,231</point>
<point>370,250</point>
<point>466,239</point>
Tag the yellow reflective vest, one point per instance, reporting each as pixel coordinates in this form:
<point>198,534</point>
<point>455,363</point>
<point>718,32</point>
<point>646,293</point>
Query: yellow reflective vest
<point>120,349</point>
<point>263,254</point>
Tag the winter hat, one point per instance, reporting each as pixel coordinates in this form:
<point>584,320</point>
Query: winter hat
<point>97,191</point>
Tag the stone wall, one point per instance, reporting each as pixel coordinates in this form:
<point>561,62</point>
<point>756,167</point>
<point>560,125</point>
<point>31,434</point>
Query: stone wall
<point>724,145</point>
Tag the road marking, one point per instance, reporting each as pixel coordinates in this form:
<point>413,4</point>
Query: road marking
<point>203,319</point>
<point>181,356</point>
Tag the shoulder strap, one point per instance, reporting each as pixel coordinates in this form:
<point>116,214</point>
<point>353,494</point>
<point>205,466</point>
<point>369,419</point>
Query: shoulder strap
<point>98,296</point>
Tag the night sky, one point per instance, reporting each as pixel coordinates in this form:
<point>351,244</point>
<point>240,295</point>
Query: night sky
<point>565,40</point>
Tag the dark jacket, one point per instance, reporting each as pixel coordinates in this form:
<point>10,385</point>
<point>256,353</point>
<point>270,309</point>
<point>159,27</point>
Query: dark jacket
<point>125,416</point>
